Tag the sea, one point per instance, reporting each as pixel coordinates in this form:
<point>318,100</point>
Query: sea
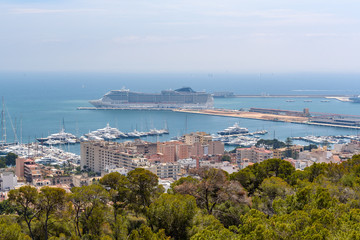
<point>38,104</point>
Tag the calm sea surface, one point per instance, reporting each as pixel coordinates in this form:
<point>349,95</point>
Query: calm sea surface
<point>38,103</point>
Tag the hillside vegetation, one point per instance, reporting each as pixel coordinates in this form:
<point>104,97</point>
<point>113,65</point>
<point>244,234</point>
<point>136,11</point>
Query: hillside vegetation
<point>268,200</point>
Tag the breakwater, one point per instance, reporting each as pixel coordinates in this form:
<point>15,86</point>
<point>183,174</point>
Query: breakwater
<point>329,120</point>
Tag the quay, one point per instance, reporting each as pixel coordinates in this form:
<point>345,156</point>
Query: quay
<point>337,97</point>
<point>277,115</point>
<point>148,109</point>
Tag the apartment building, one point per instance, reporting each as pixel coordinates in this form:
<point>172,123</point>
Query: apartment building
<point>244,156</point>
<point>32,171</point>
<point>197,137</point>
<point>96,156</point>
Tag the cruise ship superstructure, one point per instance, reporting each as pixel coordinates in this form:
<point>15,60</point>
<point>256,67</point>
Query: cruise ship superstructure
<point>180,98</point>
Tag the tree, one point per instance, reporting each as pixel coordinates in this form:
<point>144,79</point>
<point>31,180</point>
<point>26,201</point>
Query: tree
<point>117,186</point>
<point>2,162</point>
<point>226,158</point>
<point>310,147</point>
<point>10,230</point>
<point>275,144</point>
<point>270,189</point>
<point>143,186</point>
<point>10,159</point>
<point>25,200</point>
<point>173,213</point>
<point>252,176</point>
<point>51,201</point>
<point>145,233</point>
<point>6,207</point>
<point>89,205</point>
<point>288,143</point>
<point>213,188</point>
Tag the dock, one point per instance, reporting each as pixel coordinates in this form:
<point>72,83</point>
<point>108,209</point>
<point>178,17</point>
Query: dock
<point>292,118</point>
<point>142,109</point>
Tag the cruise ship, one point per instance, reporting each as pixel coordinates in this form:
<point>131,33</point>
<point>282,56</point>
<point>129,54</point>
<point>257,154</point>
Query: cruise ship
<point>180,98</point>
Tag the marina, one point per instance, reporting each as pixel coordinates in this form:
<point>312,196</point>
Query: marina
<point>51,154</point>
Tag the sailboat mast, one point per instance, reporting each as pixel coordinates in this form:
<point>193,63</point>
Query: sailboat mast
<point>3,122</point>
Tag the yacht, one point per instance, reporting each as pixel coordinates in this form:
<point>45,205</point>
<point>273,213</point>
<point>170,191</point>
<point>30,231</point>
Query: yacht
<point>234,130</point>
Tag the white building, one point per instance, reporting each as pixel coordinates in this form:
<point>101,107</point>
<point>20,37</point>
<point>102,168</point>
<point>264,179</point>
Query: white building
<point>112,168</point>
<point>8,181</point>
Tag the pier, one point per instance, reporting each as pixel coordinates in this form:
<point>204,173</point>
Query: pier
<point>277,115</point>
<point>145,108</point>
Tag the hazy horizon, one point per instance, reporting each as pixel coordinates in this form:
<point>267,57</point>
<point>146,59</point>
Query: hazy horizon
<point>259,36</point>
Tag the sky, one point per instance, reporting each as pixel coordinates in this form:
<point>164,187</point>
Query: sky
<point>241,36</point>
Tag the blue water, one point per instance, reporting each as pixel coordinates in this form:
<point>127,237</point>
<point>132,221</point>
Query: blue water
<point>39,102</point>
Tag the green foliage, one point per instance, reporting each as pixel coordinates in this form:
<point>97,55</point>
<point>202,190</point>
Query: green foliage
<point>173,213</point>
<point>145,233</point>
<point>269,190</point>
<point>226,158</point>
<point>310,147</point>
<point>143,186</point>
<point>275,144</point>
<point>9,230</point>
<point>321,202</point>
<point>251,177</point>
<point>2,162</point>
<point>213,189</point>
<point>8,160</point>
<point>89,204</point>
<point>6,207</point>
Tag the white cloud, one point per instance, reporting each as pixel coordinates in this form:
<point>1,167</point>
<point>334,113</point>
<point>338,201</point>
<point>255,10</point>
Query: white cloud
<point>46,11</point>
<point>156,39</point>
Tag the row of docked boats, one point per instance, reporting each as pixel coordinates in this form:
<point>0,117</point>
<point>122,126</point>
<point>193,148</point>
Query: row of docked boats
<point>108,133</point>
<point>340,139</point>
